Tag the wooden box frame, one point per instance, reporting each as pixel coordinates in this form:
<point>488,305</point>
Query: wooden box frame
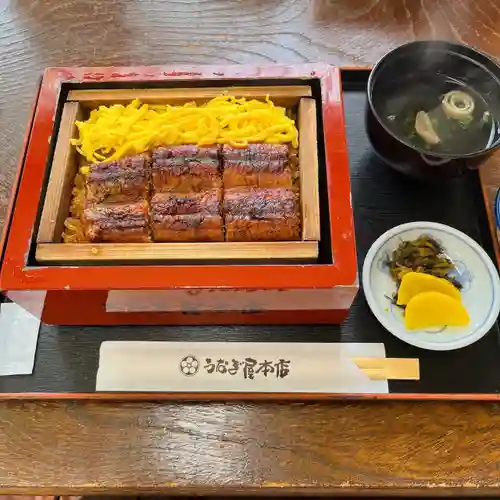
<point>90,284</point>
<point>65,165</point>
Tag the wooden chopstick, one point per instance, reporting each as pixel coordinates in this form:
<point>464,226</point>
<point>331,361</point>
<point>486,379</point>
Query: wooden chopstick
<point>389,368</point>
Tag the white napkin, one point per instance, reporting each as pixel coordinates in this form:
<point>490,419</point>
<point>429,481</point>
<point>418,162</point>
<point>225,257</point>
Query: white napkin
<point>144,366</point>
<point>18,340</point>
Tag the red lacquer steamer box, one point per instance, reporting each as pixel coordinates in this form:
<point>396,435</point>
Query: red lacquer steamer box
<point>311,280</point>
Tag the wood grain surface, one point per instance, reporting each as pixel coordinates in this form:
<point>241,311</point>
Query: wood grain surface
<point>270,448</point>
<point>66,447</point>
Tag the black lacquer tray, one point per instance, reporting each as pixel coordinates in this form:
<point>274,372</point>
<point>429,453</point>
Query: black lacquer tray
<point>67,357</point>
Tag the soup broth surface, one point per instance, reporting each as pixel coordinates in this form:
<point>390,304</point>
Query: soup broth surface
<point>400,101</point>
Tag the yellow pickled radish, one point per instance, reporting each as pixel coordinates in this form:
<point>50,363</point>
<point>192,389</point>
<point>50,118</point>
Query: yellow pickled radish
<point>434,309</point>
<point>414,283</point>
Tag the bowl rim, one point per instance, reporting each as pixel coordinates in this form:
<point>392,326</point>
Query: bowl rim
<point>497,210</point>
<point>438,44</point>
<point>417,342</point>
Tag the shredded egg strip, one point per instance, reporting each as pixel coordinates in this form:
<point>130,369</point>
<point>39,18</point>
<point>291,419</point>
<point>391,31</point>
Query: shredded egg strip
<point>73,225</point>
<point>115,131</point>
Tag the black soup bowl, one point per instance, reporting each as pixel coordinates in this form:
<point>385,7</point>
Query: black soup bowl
<point>404,80</point>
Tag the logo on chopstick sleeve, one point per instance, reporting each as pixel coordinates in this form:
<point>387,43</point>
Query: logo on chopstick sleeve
<point>189,365</point>
<point>249,368</point>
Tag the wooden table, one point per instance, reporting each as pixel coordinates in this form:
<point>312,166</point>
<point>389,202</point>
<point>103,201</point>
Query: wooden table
<point>62,447</point>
